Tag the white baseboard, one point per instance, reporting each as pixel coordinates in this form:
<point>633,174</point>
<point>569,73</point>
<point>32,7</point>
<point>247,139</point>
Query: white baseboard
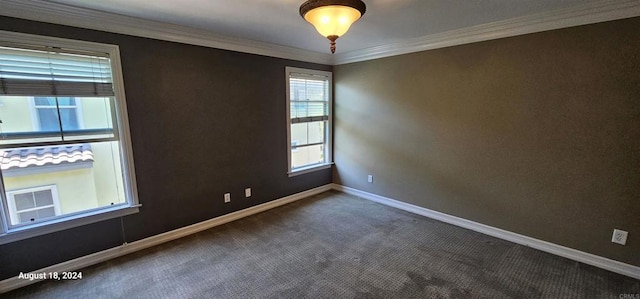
<point>576,255</point>
<point>92,259</point>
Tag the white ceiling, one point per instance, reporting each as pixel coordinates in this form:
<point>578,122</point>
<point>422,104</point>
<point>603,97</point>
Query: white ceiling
<point>274,28</point>
<point>278,22</point>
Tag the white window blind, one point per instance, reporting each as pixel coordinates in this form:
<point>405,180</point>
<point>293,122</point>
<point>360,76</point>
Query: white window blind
<point>309,98</point>
<point>32,71</point>
<point>57,75</point>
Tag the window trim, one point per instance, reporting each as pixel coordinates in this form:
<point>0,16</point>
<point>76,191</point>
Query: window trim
<point>328,149</point>
<point>10,234</point>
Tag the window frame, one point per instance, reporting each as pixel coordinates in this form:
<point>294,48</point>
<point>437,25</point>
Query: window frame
<point>328,134</point>
<point>294,146</point>
<point>8,233</point>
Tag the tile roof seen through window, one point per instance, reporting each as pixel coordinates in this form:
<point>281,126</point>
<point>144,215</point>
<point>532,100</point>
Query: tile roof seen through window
<point>41,156</point>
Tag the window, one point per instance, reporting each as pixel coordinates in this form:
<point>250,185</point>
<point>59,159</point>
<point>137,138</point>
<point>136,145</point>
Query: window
<point>33,204</point>
<point>309,119</point>
<point>65,154</point>
<point>48,108</point>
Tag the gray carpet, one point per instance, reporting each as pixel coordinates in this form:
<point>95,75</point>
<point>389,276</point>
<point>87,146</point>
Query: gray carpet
<point>335,245</point>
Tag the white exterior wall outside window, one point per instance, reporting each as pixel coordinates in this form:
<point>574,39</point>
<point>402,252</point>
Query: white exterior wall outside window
<point>65,150</point>
<point>309,99</point>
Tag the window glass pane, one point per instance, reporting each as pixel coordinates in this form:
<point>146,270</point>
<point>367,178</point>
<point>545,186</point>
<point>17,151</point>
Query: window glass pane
<point>308,89</point>
<point>298,89</point>
<point>19,122</point>
<point>307,155</point>
<point>26,217</point>
<point>43,198</point>
<point>315,131</point>
<point>65,101</point>
<point>51,101</point>
<point>45,101</point>
<point>46,213</point>
<point>95,116</point>
<point>69,119</point>
<point>48,112</point>
<point>306,133</point>
<point>84,176</point>
<point>48,119</point>
<point>299,133</point>
<point>304,109</point>
<point>316,91</point>
<point>24,201</point>
<point>33,120</point>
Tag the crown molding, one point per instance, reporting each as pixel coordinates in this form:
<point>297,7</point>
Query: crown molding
<point>62,14</point>
<point>574,16</point>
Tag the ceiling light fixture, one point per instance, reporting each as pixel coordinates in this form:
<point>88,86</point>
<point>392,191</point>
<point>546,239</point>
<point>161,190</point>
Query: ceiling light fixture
<point>332,18</point>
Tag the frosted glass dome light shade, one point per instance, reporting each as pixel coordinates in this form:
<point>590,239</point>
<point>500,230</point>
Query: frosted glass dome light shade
<point>332,18</point>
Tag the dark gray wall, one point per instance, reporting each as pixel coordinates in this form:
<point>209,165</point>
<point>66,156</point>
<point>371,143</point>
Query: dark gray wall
<point>203,122</point>
<point>536,134</point>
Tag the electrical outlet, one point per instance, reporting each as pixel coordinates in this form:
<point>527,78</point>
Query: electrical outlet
<point>227,197</point>
<point>619,237</point>
<point>247,192</point>
<point>370,178</point>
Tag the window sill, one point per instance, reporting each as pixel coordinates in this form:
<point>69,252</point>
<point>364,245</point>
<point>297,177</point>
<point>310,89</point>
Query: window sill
<point>38,229</point>
<point>308,169</point>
